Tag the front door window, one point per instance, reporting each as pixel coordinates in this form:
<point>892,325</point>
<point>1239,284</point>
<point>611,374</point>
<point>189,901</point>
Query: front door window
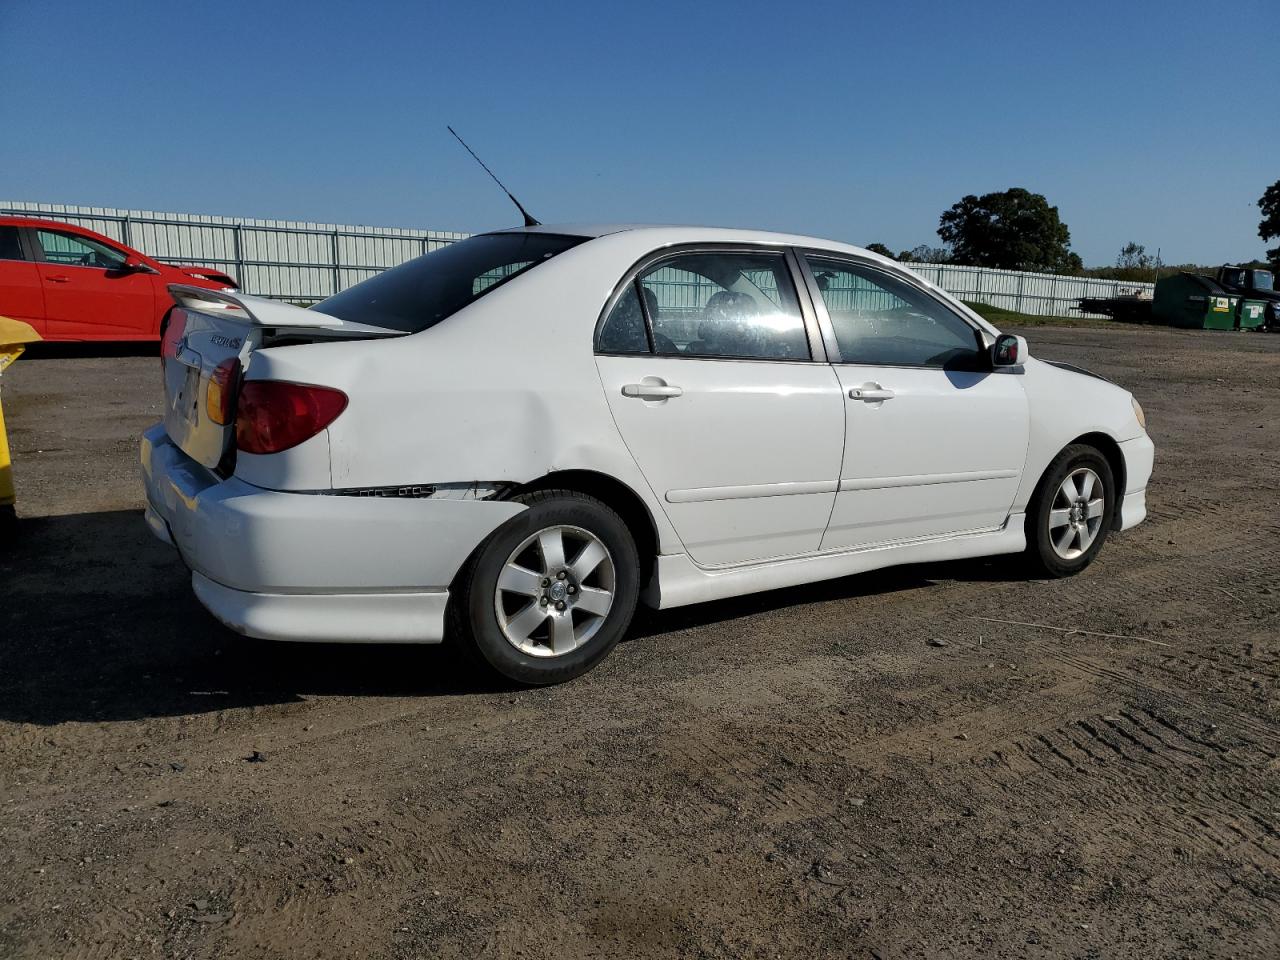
<point>880,319</point>
<point>72,250</point>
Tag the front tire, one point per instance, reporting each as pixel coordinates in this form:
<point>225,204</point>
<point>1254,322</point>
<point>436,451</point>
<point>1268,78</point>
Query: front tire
<point>1071,512</point>
<point>549,593</point>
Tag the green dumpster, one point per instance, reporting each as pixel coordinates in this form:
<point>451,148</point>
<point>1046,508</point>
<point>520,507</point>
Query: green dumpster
<point>1252,314</point>
<point>1194,301</point>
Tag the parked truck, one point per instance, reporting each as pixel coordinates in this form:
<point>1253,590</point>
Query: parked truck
<point>1233,298</point>
<point>1254,285</point>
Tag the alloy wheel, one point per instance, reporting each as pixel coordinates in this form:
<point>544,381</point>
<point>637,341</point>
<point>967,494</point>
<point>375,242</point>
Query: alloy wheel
<point>1075,516</point>
<point>555,591</point>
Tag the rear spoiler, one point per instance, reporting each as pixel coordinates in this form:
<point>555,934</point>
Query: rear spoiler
<point>256,310</point>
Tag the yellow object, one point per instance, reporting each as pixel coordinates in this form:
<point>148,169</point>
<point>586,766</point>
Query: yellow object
<point>14,336</point>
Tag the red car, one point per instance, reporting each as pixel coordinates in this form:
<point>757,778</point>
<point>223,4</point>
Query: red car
<point>73,284</point>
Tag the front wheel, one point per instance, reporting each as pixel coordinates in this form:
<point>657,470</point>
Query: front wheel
<point>1071,512</point>
<point>549,594</point>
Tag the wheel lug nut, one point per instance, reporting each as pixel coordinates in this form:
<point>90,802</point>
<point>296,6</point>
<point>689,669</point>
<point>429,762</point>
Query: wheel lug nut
<point>543,601</point>
<point>560,605</point>
<point>561,575</point>
<point>572,589</point>
<point>546,582</point>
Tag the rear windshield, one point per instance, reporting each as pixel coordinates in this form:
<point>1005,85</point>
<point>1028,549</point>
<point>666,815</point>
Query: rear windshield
<point>422,292</point>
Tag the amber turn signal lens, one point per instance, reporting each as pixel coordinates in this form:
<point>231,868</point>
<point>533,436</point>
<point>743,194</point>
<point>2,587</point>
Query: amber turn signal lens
<point>221,393</point>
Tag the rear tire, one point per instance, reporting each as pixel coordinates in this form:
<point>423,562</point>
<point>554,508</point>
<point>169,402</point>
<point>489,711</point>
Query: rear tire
<point>549,593</point>
<point>1071,512</point>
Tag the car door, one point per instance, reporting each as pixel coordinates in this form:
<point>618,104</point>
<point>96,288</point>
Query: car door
<point>935,439</point>
<point>707,361</point>
<point>88,292</point>
<point>21,297</point>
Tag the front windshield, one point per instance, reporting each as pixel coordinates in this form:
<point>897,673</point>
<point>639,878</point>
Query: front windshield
<point>420,293</point>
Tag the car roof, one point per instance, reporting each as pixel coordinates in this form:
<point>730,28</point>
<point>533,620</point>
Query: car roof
<point>652,237</point>
<point>685,233</point>
<point>11,221</point>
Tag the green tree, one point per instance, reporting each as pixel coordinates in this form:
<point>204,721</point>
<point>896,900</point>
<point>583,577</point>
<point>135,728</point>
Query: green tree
<point>1269,228</point>
<point>924,254</point>
<point>1013,230</point>
<point>1133,256</point>
<point>881,249</point>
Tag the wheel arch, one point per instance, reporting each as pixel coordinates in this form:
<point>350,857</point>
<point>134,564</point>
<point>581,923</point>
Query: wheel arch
<point>1106,445</point>
<point>617,495</point>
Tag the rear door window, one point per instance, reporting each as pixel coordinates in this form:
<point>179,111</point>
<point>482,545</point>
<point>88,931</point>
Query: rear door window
<point>623,331</point>
<point>727,305</point>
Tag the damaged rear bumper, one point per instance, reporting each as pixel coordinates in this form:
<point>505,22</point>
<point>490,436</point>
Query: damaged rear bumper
<point>414,617</point>
<point>302,566</point>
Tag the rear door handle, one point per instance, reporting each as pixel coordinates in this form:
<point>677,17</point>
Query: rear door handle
<point>58,279</point>
<point>651,389</point>
<point>870,393</point>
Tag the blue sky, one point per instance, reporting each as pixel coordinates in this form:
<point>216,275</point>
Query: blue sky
<point>1152,122</point>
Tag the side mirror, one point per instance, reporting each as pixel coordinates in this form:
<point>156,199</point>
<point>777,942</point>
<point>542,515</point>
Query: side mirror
<point>1009,351</point>
<point>134,265</point>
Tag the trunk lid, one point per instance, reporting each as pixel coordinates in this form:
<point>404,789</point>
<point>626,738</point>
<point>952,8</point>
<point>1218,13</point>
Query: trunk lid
<point>207,348</point>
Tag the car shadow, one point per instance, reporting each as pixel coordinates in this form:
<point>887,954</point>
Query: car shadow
<point>98,623</point>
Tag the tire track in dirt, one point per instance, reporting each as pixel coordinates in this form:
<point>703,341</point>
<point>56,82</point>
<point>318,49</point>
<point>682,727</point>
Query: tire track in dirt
<point>1265,733</point>
<point>1144,747</point>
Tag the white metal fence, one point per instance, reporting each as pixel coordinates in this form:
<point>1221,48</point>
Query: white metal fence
<point>1039,294</point>
<point>305,262</point>
<point>271,258</point>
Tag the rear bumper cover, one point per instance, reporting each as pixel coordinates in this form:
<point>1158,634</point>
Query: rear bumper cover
<point>301,566</point>
<point>327,617</point>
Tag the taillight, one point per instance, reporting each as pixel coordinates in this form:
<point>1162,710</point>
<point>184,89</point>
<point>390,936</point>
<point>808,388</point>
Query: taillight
<point>220,397</point>
<point>173,331</point>
<point>273,415</point>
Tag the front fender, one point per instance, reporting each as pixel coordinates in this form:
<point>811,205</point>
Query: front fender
<point>1064,405</point>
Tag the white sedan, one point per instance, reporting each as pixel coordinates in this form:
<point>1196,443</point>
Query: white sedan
<point>515,439</point>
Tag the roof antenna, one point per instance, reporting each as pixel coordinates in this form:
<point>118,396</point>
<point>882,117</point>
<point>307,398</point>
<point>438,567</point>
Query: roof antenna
<point>528,220</point>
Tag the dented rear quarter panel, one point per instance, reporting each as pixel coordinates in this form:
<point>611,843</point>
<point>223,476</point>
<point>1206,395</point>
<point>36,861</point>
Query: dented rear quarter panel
<point>504,390</point>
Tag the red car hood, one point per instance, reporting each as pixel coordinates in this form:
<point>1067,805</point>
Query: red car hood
<point>204,277</point>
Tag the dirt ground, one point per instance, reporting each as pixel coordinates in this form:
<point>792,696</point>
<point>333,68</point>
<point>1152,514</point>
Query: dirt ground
<point>797,774</point>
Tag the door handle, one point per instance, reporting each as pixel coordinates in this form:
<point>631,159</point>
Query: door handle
<point>58,279</point>
<point>651,389</point>
<point>870,393</point>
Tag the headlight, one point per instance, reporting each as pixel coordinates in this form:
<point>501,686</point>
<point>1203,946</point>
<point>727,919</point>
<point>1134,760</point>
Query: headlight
<point>1137,412</point>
